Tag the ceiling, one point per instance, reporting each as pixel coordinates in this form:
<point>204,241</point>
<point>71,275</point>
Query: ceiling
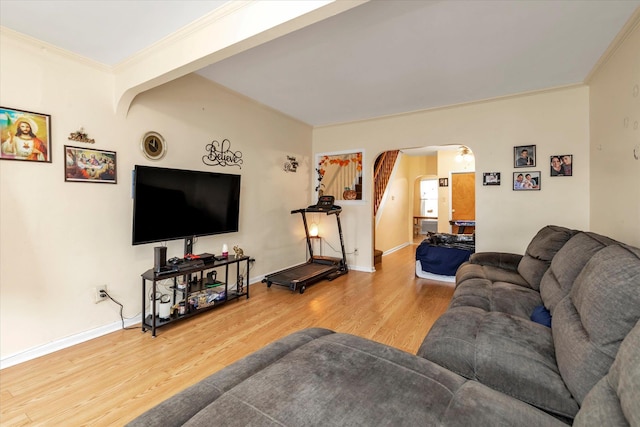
<point>379,58</point>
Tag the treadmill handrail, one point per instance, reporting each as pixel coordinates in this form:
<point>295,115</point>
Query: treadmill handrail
<point>334,210</point>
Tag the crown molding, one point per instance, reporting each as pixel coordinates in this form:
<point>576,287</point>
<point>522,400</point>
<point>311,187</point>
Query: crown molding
<point>629,27</point>
<point>51,49</point>
<point>185,32</point>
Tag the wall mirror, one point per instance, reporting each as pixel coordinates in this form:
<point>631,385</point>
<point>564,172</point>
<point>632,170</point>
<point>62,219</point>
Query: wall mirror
<point>340,174</point>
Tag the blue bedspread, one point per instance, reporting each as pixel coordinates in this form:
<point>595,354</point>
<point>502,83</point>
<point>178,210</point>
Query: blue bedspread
<point>439,259</point>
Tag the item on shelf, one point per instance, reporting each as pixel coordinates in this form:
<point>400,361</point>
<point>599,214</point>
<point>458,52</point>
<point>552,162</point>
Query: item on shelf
<point>225,251</point>
<point>239,252</point>
<point>211,277</point>
<point>164,311</point>
<point>206,257</point>
<point>159,258</point>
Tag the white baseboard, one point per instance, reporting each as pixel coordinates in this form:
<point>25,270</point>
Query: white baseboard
<point>397,248</point>
<point>66,342</point>
<point>72,340</point>
<point>360,268</point>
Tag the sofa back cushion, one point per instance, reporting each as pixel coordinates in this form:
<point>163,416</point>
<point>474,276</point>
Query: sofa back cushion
<point>541,251</point>
<point>567,264</point>
<point>589,324</point>
<point>614,400</point>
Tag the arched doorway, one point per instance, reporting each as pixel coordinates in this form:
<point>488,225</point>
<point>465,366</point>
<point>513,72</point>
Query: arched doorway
<point>412,165</point>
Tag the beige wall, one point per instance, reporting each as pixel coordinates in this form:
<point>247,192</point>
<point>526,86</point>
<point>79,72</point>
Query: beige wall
<point>393,225</point>
<point>615,133</point>
<point>556,121</point>
<point>59,239</point>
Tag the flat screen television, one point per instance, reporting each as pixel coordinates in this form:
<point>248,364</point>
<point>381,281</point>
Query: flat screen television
<point>170,204</point>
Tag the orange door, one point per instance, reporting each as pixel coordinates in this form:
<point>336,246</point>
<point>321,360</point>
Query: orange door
<point>463,196</point>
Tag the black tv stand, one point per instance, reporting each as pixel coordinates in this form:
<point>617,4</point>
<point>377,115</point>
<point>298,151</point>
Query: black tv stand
<point>197,291</point>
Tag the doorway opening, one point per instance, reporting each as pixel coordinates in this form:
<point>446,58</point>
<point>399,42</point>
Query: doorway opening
<point>430,187</point>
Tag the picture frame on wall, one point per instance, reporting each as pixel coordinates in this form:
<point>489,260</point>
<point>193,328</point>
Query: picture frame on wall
<point>561,165</point>
<point>491,178</point>
<point>90,165</point>
<point>443,182</point>
<point>25,135</point>
<point>526,181</point>
<point>524,156</point>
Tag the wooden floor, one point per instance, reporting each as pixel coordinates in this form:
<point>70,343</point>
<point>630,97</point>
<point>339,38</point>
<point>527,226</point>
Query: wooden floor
<point>112,379</point>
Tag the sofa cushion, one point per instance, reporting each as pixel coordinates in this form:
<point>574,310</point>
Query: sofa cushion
<point>184,405</point>
<point>469,271</point>
<point>499,296</point>
<point>614,399</point>
<point>509,354</point>
<point>540,251</point>
<point>340,379</point>
<point>590,323</point>
<point>567,264</point>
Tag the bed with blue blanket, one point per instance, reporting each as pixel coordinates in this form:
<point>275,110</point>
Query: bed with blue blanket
<point>439,255</point>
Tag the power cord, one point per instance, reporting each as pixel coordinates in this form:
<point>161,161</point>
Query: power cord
<point>121,309</point>
<point>337,250</point>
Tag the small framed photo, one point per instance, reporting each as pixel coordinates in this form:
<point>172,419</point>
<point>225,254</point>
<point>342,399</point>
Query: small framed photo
<point>524,156</point>
<point>523,181</point>
<point>25,135</point>
<point>491,178</point>
<point>561,165</point>
<point>89,165</point>
<point>443,182</point>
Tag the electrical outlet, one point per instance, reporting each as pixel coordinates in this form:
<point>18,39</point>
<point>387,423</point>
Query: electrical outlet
<point>355,251</point>
<point>100,293</point>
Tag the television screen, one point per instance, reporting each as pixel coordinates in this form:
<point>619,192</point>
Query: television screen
<point>171,204</point>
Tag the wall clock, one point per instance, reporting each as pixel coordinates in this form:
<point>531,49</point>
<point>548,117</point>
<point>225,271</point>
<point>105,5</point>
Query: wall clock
<point>153,146</point>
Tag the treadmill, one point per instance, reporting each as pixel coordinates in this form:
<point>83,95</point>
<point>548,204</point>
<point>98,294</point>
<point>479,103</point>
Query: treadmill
<point>317,267</point>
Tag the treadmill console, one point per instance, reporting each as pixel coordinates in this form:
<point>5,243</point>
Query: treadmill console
<point>325,203</point>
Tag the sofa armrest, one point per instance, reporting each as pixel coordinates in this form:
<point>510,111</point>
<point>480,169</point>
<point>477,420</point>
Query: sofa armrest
<point>502,260</point>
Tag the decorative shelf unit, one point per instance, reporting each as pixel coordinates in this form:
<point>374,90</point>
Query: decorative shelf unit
<point>198,294</point>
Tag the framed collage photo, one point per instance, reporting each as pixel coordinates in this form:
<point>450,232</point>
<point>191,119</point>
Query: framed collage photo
<point>491,178</point>
<point>25,135</point>
<point>524,156</point>
<point>561,165</point>
<point>526,181</point>
<point>89,165</point>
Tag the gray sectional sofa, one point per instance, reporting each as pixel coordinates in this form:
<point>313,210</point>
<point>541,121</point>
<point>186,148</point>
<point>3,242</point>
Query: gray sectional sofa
<point>485,362</point>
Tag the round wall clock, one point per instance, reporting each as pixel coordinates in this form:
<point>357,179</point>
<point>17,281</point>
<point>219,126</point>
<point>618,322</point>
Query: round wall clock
<point>153,145</point>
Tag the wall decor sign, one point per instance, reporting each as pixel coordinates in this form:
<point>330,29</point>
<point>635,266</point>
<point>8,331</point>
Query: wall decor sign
<point>220,154</point>
<point>562,165</point>
<point>25,135</point>
<point>524,156</point>
<point>526,181</point>
<point>443,182</point>
<point>89,165</point>
<point>491,178</point>
<point>291,165</point>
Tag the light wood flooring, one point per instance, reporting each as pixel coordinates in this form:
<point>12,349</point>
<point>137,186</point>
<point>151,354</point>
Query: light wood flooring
<point>112,379</point>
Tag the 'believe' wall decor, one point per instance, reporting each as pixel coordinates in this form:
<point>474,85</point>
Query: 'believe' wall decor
<point>220,154</point>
